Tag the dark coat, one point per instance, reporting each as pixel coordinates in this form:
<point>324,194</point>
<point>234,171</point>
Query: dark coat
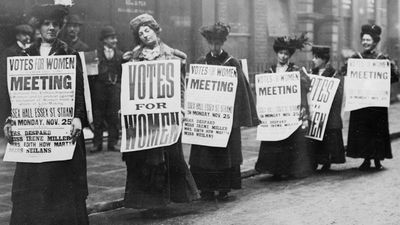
<point>157,176</point>
<point>244,114</point>
<point>53,192</point>
<point>78,45</point>
<point>331,148</point>
<point>109,70</point>
<point>369,136</point>
<point>290,156</point>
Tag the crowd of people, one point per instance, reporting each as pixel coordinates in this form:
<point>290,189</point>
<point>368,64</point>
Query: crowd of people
<point>56,192</point>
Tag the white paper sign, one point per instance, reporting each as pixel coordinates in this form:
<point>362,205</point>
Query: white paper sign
<point>278,105</point>
<point>209,104</point>
<point>42,95</point>
<point>367,84</point>
<point>323,90</point>
<point>150,104</point>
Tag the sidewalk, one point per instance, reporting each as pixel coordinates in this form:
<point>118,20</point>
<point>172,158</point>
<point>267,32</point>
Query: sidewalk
<point>106,170</point>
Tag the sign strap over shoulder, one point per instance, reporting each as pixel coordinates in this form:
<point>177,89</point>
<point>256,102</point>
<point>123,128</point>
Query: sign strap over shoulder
<point>359,54</point>
<point>226,60</point>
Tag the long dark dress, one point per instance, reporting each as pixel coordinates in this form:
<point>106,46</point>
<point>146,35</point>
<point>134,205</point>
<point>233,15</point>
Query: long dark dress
<point>158,176</point>
<point>369,136</point>
<point>292,155</point>
<point>54,192</point>
<point>331,148</point>
<point>218,169</point>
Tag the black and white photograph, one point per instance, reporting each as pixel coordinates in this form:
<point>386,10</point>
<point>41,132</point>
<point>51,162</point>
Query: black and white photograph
<point>203,112</point>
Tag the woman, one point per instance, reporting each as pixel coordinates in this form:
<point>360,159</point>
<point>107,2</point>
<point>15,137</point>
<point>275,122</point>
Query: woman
<point>53,192</point>
<point>331,148</point>
<point>369,129</point>
<point>218,169</point>
<point>289,157</point>
<point>160,175</point>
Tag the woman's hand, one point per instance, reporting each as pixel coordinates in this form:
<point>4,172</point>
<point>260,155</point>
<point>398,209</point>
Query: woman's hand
<point>76,129</point>
<point>7,132</point>
<point>127,56</point>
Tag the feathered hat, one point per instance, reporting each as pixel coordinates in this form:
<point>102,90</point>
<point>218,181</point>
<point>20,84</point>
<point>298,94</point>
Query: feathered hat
<point>217,31</point>
<point>321,51</point>
<point>290,43</point>
<point>50,12</point>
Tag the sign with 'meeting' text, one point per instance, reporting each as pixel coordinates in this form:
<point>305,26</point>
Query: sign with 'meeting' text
<point>42,95</point>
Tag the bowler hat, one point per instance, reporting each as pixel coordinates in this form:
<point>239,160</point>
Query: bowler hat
<point>217,31</point>
<point>373,30</point>
<point>74,19</point>
<point>107,31</point>
<point>24,29</point>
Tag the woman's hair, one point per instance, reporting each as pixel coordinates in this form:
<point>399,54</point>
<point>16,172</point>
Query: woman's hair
<point>143,20</point>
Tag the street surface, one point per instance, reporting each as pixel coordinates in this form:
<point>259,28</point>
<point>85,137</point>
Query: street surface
<point>344,196</point>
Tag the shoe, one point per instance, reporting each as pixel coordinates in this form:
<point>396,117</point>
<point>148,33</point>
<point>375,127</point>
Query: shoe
<point>207,196</point>
<point>378,164</point>
<point>96,150</point>
<point>366,165</point>
<point>224,197</point>
<point>326,167</point>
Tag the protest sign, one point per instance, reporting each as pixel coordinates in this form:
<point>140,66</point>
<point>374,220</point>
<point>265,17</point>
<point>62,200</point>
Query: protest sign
<point>150,104</point>
<point>88,99</point>
<point>209,104</point>
<point>278,105</point>
<point>42,95</point>
<point>323,90</point>
<point>367,84</point>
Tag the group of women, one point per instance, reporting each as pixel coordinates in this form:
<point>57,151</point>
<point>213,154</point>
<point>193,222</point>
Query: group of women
<point>55,192</point>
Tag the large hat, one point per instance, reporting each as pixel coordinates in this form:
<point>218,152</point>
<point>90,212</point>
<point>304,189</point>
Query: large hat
<point>23,29</point>
<point>217,31</point>
<point>143,20</point>
<point>74,19</point>
<point>107,31</point>
<point>373,30</point>
<point>321,51</point>
<point>290,43</point>
<point>52,12</point>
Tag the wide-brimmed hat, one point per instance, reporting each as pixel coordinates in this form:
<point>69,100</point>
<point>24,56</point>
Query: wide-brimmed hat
<point>50,12</point>
<point>217,31</point>
<point>290,43</point>
<point>74,19</point>
<point>373,30</point>
<point>107,31</point>
<point>23,29</point>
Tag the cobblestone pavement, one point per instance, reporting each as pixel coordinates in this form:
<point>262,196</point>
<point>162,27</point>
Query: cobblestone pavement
<point>106,170</point>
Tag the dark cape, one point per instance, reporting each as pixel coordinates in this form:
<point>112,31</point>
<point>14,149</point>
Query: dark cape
<point>219,168</point>
<point>54,192</point>
<point>291,156</point>
<point>331,148</point>
<point>158,176</point>
<point>369,136</point>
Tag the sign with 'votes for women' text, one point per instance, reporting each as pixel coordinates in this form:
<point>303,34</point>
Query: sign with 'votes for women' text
<point>209,104</point>
<point>278,105</point>
<point>323,90</point>
<point>42,95</point>
<point>367,84</point>
<point>150,104</point>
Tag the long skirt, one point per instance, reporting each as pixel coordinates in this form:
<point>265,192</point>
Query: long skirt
<point>331,148</point>
<point>52,192</point>
<point>291,157</point>
<point>218,169</point>
<point>157,177</point>
<point>369,136</point>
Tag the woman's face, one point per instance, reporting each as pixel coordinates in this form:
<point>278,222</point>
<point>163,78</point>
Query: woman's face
<point>367,42</point>
<point>318,62</point>
<point>147,35</point>
<point>49,30</point>
<point>283,56</point>
<point>215,46</point>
